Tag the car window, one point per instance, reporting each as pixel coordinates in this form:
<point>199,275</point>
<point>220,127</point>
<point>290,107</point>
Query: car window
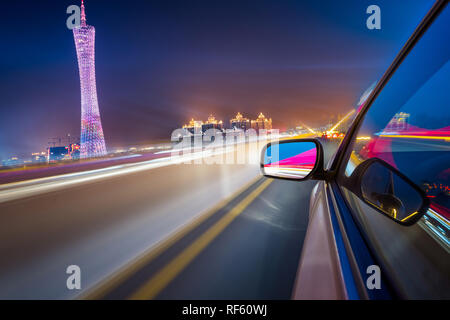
<point>408,126</point>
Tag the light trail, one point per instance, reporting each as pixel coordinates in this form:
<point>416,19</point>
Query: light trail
<point>309,129</point>
<point>405,136</point>
<point>153,286</point>
<point>296,173</point>
<point>342,120</point>
<point>29,188</point>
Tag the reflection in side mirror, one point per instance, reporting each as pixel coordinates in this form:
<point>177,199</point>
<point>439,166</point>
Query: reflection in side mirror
<point>291,159</point>
<point>392,193</point>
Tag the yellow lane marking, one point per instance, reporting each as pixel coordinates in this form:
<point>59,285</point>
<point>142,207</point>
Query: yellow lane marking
<point>342,120</point>
<point>120,276</point>
<point>158,282</point>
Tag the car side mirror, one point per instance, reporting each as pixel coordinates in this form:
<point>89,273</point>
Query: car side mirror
<point>298,159</point>
<point>389,191</point>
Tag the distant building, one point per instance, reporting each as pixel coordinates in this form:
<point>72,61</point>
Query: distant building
<point>400,122</point>
<point>38,158</point>
<point>239,122</point>
<point>212,123</point>
<point>57,153</point>
<point>194,126</point>
<point>12,162</point>
<point>74,151</point>
<point>261,123</point>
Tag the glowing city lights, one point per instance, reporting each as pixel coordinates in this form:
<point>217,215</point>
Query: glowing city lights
<point>262,123</point>
<point>342,120</point>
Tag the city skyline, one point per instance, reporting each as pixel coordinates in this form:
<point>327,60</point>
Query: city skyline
<point>217,151</point>
<point>183,60</point>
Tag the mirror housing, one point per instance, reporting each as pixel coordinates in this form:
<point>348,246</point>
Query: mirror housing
<point>388,191</point>
<point>296,159</point>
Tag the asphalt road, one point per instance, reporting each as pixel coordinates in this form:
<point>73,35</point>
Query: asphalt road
<point>247,249</point>
<point>184,231</point>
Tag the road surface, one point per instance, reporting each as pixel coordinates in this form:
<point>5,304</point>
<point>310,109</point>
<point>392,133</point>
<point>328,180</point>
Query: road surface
<point>186,231</point>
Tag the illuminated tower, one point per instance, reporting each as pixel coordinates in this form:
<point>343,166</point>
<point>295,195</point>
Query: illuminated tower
<point>92,140</point>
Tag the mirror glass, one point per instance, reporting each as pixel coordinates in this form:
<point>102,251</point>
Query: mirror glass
<point>385,189</point>
<point>291,159</point>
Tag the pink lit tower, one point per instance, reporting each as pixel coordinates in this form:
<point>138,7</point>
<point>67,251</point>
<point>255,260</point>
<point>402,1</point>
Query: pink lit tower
<point>92,140</point>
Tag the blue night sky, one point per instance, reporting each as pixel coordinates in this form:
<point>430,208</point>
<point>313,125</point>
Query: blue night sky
<point>162,62</point>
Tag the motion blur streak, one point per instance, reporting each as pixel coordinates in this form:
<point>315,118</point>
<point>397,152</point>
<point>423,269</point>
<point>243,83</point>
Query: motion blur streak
<point>111,282</point>
<point>342,120</point>
<point>446,138</point>
<point>150,289</point>
<point>102,219</point>
<point>18,190</point>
